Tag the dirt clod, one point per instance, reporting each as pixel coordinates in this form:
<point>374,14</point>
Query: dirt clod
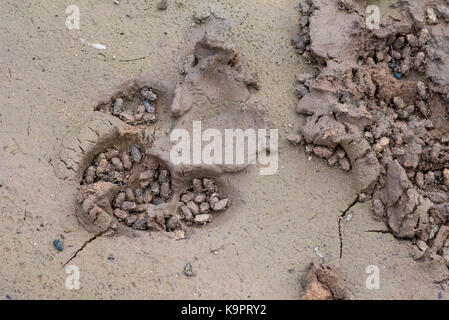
<point>321,282</point>
<point>162,5</point>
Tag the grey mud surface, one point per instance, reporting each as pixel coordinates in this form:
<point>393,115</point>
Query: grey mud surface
<point>259,248</point>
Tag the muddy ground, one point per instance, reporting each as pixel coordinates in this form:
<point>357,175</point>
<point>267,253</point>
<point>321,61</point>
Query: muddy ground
<point>259,248</point>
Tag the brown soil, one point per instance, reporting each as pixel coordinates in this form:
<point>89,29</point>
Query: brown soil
<point>261,245</point>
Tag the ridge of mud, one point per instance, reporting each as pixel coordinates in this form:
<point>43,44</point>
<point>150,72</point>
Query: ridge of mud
<point>382,96</point>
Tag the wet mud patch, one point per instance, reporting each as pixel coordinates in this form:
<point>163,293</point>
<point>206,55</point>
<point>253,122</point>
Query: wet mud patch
<point>123,163</point>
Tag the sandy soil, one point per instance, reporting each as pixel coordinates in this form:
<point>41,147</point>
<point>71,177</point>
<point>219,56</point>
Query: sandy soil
<point>258,249</point>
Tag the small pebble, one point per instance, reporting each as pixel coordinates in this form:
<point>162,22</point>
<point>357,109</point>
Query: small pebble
<point>194,208</point>
<point>165,190</point>
<point>147,174</point>
<point>188,270</point>
<point>117,164</point>
<point>344,164</point>
<point>90,174</point>
<point>129,194</point>
<point>119,198</point>
<point>127,117</point>
<point>58,244</point>
<point>295,138</point>
<point>204,207</point>
<point>399,103</point>
<point>155,188</point>
<point>128,205</point>
<point>200,198</point>
<point>172,223</point>
<point>185,211</point>
<point>197,185</point>
<point>148,95</point>
<point>421,90</point>
<point>209,185</point>
<point>117,107</point>
<point>126,160</point>
<point>322,152</point>
<point>203,218</point>
<point>220,205</point>
<point>130,220</point>
<point>141,222</point>
<point>149,107</point>
<point>162,5</point>
<point>149,118</point>
<point>120,214</point>
<point>188,196</point>
<point>136,156</point>
<point>431,16</point>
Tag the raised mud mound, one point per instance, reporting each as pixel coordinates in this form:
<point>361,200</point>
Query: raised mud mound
<point>379,97</point>
<point>121,156</point>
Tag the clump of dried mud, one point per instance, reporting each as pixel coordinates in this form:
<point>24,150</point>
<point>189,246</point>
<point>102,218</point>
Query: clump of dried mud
<point>379,98</point>
<point>322,282</point>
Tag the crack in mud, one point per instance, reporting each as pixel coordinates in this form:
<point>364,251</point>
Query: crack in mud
<point>83,246</point>
<point>343,213</point>
<point>379,231</point>
<point>442,281</point>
